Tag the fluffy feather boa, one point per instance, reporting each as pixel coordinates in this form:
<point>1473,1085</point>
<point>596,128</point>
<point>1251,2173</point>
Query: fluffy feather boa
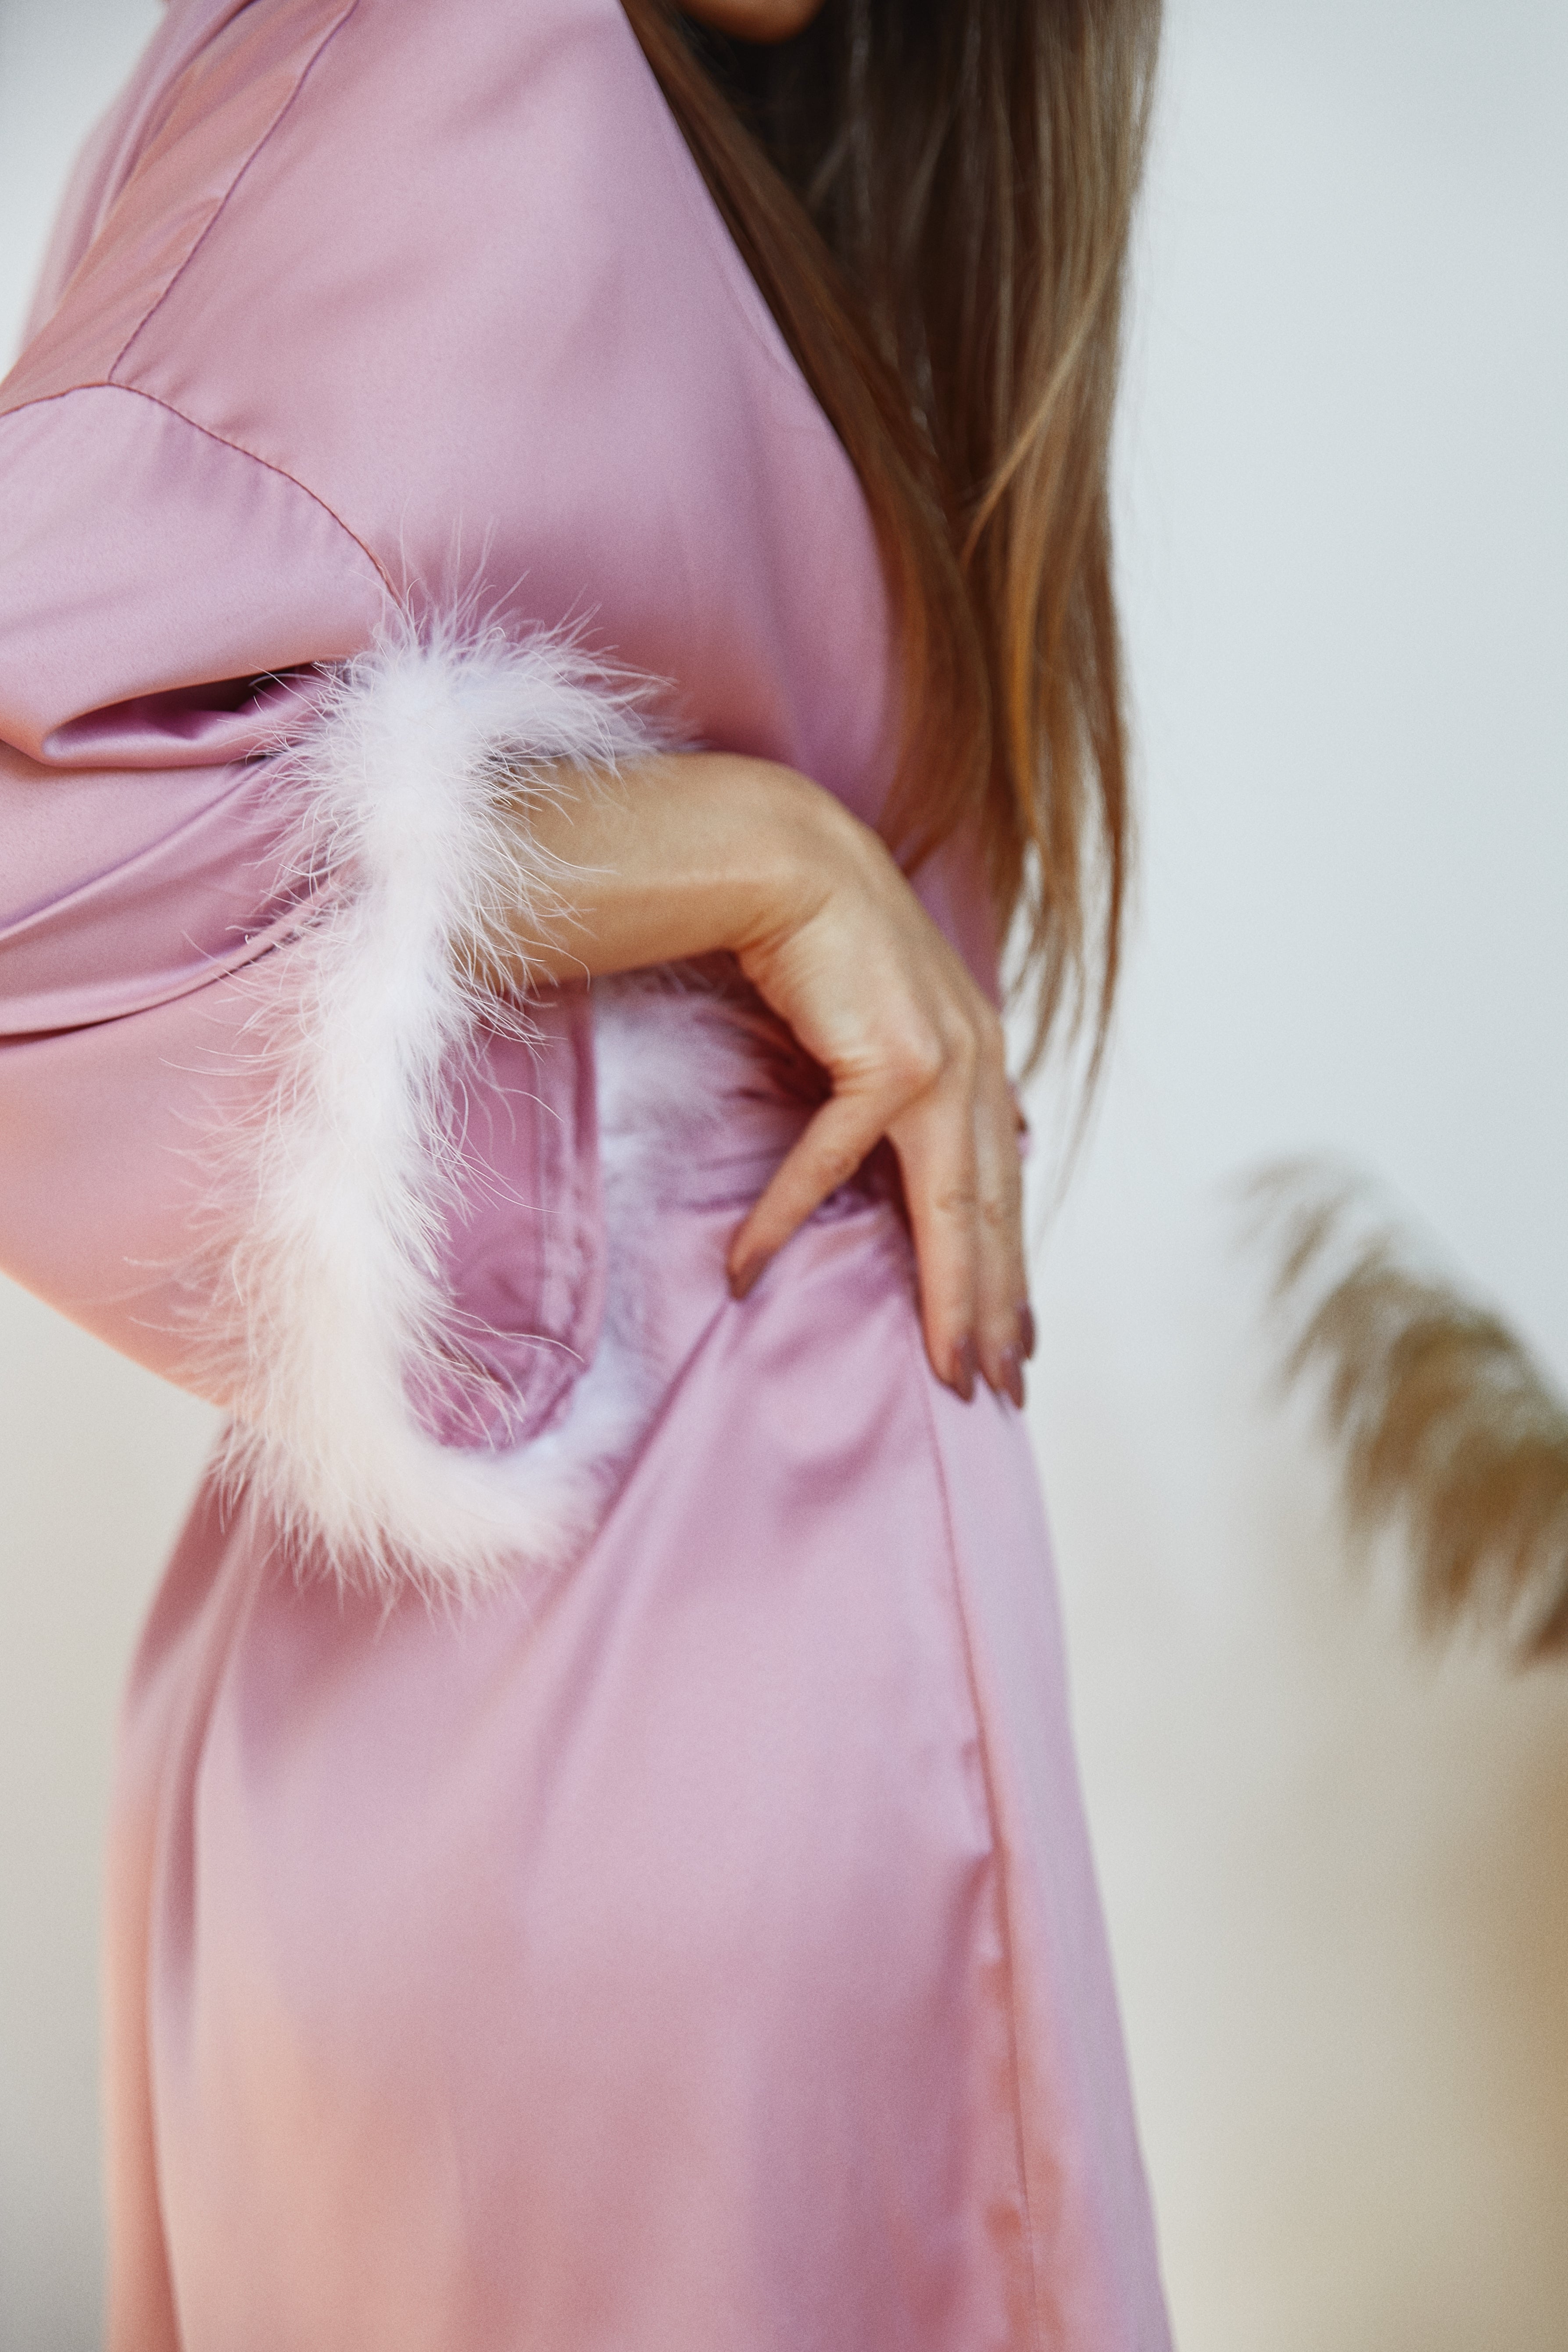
<point>402,799</point>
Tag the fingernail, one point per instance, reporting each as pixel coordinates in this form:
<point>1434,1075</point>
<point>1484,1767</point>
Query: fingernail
<point>1011,1376</point>
<point>963,1368</point>
<point>1026,1332</point>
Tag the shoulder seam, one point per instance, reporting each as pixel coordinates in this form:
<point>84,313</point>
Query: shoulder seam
<point>134,392</point>
<point>304,74</point>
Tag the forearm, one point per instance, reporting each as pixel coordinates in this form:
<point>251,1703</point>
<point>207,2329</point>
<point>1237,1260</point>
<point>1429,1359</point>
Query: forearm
<point>680,855</point>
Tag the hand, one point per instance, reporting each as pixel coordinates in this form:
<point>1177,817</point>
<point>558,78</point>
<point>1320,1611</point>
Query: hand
<point>915,1053</point>
<point>693,852</point>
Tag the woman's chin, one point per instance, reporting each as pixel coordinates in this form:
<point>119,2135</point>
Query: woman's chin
<point>756,20</point>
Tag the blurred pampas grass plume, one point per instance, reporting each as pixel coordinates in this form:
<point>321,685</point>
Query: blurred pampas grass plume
<point>1443,1426</point>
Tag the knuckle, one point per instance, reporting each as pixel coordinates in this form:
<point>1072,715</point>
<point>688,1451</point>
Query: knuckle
<point>957,1203</point>
<point>996,1212</point>
<point>916,1062</point>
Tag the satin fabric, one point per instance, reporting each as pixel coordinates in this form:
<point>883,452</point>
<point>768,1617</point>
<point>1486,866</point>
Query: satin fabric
<point>704,1957</point>
<point>700,1951</point>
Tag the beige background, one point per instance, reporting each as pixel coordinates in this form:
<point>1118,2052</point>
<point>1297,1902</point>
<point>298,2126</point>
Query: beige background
<point>1335,1870</point>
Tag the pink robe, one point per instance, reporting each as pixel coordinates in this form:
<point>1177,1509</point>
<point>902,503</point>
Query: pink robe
<point>597,1865</point>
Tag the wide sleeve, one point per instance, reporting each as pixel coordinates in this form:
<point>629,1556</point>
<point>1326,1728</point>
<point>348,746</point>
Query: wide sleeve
<point>376,322</point>
<point>257,1128</point>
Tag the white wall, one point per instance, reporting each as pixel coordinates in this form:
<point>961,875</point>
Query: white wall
<point>1335,1869</point>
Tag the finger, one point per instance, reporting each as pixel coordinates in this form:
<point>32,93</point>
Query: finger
<point>826,1156</point>
<point>1001,1273</point>
<point>935,1141</point>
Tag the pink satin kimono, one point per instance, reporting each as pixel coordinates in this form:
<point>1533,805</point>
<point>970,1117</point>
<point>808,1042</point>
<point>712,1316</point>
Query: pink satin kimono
<point>597,1865</point>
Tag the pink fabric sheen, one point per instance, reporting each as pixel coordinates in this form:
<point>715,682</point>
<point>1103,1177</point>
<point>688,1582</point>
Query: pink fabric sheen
<point>110,931</point>
<point>529,1315</point>
<point>686,1931</point>
<point>702,1952</point>
<point>119,141</point>
<point>127,587</point>
<point>102,1172</point>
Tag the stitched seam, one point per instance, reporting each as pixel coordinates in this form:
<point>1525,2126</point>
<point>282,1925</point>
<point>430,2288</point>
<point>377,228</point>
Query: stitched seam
<point>305,71</point>
<point>134,392</point>
<point>923,1375</point>
<point>158,104</point>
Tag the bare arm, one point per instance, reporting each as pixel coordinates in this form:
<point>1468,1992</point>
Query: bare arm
<point>691,852</point>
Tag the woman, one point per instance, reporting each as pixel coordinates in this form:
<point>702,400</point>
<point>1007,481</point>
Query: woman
<point>596,1858</point>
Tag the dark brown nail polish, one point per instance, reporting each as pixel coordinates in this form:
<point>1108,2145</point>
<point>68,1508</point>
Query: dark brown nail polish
<point>1026,1332</point>
<point>964,1362</point>
<point>1011,1376</point>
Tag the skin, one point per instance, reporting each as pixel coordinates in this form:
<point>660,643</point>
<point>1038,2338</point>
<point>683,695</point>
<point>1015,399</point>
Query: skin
<point>756,20</point>
<point>688,854</point>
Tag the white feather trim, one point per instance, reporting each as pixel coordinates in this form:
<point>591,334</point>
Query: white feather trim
<point>404,797</point>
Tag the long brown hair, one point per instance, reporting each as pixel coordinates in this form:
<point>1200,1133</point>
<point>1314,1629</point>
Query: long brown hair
<point>934,197</point>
